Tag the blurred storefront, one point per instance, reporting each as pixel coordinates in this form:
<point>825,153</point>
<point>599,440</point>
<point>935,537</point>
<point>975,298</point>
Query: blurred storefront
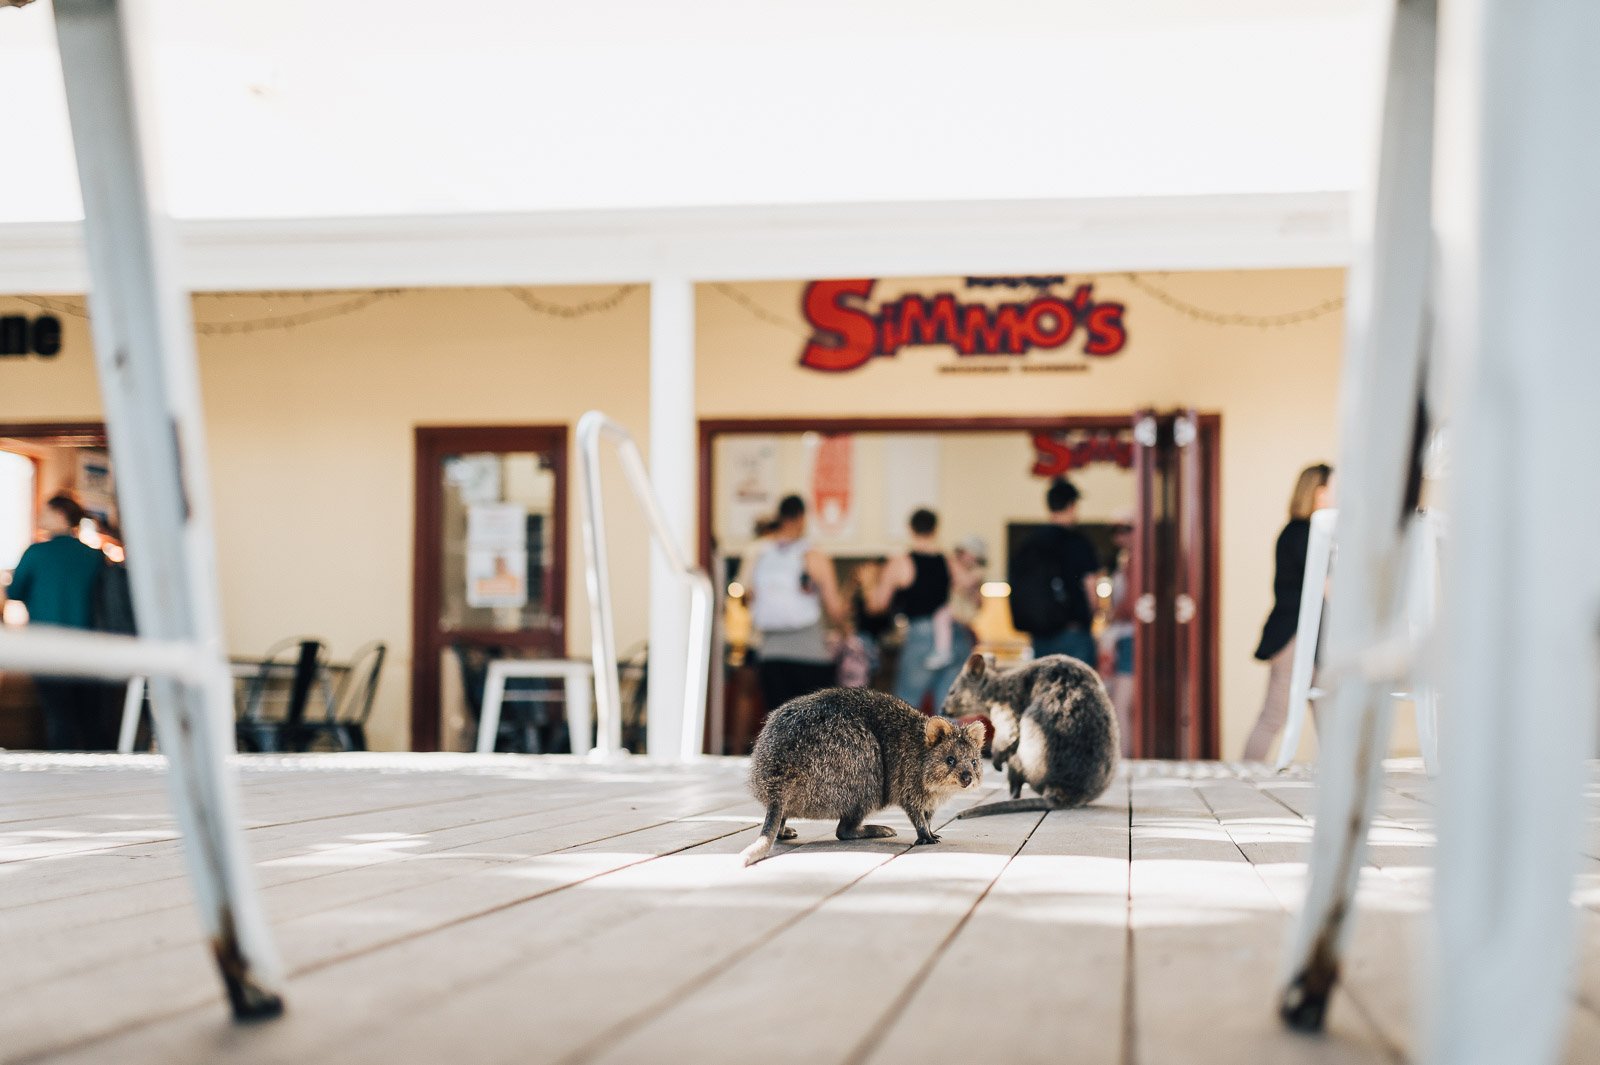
<point>358,436</point>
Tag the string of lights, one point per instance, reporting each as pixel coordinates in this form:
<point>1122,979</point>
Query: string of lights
<point>351,304</point>
<point>575,310</point>
<point>1254,321</point>
<point>787,324</point>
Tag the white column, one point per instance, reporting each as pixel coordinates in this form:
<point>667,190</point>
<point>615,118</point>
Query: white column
<point>672,471</point>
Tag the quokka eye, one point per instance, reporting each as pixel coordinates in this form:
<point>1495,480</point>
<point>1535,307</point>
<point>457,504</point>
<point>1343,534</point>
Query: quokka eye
<point>951,761</point>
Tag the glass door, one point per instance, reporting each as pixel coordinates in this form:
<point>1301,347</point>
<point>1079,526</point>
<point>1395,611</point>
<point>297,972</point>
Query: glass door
<point>490,566</point>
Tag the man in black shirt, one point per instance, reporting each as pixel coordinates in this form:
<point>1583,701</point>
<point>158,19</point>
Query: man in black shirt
<point>1053,581</point>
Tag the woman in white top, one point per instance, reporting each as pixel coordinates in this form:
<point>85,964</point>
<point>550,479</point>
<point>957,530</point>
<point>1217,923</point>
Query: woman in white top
<point>791,589</point>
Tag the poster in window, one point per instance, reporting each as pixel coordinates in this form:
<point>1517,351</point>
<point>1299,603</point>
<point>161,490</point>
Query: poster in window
<point>497,577</point>
<point>752,465</point>
<point>832,482</point>
<point>497,555</point>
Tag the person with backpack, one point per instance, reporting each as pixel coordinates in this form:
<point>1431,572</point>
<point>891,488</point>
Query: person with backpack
<point>1052,577</point>
<point>792,591</point>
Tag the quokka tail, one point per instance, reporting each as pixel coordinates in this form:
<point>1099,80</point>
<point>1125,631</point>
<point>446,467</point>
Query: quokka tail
<point>1008,806</point>
<point>769,835</point>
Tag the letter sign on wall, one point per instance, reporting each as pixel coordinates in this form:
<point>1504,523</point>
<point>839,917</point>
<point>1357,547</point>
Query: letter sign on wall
<point>847,333</point>
<point>21,336</point>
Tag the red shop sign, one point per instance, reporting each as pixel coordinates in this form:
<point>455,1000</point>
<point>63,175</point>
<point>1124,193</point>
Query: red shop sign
<point>1055,454</point>
<point>847,333</point>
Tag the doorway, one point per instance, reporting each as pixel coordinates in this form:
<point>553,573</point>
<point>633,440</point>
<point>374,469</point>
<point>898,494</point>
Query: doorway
<point>987,478</point>
<point>489,564</point>
<point>37,461</point>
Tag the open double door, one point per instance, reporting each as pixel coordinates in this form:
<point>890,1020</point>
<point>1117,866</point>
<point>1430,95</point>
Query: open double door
<point>1174,578</point>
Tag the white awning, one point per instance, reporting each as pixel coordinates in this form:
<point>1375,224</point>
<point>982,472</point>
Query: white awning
<point>407,109</point>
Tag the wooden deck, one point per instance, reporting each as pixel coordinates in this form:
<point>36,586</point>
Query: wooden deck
<point>450,909</point>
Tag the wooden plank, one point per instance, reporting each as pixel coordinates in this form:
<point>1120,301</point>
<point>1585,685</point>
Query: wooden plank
<point>1380,965</point>
<point>1208,938</point>
<point>1039,971</point>
<point>115,868</point>
<point>323,878</point>
<point>848,960</point>
<point>133,991</point>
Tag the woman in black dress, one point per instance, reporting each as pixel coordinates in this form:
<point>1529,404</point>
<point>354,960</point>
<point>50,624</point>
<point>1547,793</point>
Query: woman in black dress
<point>1313,491</point>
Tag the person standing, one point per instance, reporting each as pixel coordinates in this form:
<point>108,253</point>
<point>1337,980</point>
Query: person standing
<point>56,580</point>
<point>916,585</point>
<point>1312,492</point>
<point>1053,577</point>
<point>791,588</point>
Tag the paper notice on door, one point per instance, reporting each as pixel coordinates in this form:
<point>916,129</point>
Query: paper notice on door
<point>497,577</point>
<point>497,555</point>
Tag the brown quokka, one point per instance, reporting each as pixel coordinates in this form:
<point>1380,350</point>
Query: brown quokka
<point>1054,728</point>
<point>848,752</point>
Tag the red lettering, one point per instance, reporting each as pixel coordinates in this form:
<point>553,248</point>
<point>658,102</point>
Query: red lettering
<point>1106,331</point>
<point>1048,323</point>
<point>922,321</point>
<point>844,335</point>
<point>1053,456</point>
<point>988,333</point>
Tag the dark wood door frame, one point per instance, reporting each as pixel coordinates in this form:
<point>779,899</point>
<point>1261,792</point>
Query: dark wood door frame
<point>62,434</point>
<point>1210,426</point>
<point>432,444</point>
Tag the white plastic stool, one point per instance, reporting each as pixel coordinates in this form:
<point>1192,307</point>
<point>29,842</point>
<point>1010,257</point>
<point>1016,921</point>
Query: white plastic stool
<point>579,678</point>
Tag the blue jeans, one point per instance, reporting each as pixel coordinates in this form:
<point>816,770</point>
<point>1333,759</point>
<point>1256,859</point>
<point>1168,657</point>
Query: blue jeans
<point>913,679</point>
<point>1075,642</point>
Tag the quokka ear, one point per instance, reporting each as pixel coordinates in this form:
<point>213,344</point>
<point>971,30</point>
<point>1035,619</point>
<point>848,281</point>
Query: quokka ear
<point>976,664</point>
<point>975,733</point>
<point>938,728</point>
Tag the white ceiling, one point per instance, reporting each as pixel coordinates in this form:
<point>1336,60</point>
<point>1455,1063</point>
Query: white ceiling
<point>302,108</point>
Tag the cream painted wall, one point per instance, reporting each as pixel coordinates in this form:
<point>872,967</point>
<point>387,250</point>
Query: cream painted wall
<point>1275,388</point>
<point>312,454</point>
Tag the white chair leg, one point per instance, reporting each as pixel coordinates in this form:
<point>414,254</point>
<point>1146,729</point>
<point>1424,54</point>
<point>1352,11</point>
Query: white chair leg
<point>580,716</point>
<point>1308,631</point>
<point>1425,701</point>
<point>132,705</point>
<point>494,694</point>
<point>1522,579</point>
<point>1378,409</point>
<point>144,351</point>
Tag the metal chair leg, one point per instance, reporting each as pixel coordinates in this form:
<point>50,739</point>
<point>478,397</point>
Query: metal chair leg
<point>1380,406</point>
<point>144,350</point>
<point>132,707</point>
<point>1522,580</point>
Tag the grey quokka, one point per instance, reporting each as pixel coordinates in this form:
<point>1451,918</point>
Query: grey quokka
<point>1054,729</point>
<point>848,752</point>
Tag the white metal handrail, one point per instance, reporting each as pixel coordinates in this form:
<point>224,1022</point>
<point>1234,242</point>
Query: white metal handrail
<point>592,427</point>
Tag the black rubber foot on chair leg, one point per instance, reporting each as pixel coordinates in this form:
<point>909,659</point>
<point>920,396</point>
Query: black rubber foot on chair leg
<point>252,1002</point>
<point>1304,1005</point>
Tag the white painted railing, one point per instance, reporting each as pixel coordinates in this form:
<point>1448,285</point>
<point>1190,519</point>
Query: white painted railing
<point>592,427</point>
<point>59,652</point>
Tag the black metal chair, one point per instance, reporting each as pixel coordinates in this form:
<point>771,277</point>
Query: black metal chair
<point>299,660</point>
<point>345,726</point>
<point>526,724</point>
